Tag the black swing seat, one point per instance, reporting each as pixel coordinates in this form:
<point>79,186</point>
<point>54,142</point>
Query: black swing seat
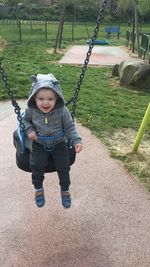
<point>23,154</point>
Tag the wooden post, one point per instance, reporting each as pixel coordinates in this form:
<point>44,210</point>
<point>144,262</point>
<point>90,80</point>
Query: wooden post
<point>20,36</point>
<point>45,30</point>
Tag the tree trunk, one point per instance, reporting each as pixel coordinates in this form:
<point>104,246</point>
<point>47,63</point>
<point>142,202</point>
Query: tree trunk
<point>60,28</point>
<point>62,24</point>
<point>133,32</point>
<point>137,26</point>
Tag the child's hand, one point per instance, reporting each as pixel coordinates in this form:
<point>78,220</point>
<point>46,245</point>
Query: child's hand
<point>32,136</point>
<point>78,148</point>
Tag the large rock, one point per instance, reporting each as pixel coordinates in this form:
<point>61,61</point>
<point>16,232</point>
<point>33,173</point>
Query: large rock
<point>115,70</point>
<point>135,72</point>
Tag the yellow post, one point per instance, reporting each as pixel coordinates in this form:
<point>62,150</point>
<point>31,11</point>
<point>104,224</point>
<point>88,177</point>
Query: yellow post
<point>142,129</point>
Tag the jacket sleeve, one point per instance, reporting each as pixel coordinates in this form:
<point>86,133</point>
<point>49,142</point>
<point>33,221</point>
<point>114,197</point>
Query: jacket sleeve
<point>69,127</point>
<point>27,120</point>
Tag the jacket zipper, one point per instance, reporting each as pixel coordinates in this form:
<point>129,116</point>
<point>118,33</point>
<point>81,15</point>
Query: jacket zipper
<point>46,120</point>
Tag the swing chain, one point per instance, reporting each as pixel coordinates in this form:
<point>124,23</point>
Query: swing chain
<point>17,109</point>
<point>73,99</point>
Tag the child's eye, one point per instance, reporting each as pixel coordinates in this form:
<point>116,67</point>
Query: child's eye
<point>42,99</point>
<point>51,99</point>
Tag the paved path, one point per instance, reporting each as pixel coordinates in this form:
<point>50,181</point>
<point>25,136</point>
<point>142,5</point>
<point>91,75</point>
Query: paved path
<point>101,55</point>
<point>107,226</point>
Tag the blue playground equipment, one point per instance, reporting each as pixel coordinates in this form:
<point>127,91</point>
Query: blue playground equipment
<point>98,42</point>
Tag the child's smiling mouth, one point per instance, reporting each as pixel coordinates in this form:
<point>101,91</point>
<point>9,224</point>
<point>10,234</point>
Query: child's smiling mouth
<point>46,108</point>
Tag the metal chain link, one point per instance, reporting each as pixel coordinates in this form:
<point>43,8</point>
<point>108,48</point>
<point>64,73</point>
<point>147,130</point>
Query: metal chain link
<point>73,99</point>
<point>17,109</point>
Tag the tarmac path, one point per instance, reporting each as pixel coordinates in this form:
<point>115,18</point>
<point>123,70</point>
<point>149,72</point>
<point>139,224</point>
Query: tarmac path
<point>108,224</point>
<point>101,55</point>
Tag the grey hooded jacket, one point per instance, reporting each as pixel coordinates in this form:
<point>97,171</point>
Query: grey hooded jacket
<point>59,120</point>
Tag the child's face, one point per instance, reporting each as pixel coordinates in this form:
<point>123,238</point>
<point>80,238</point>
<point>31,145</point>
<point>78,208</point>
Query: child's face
<point>45,100</point>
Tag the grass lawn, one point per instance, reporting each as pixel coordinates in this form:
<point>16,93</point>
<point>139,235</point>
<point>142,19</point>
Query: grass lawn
<point>113,113</point>
<point>35,32</point>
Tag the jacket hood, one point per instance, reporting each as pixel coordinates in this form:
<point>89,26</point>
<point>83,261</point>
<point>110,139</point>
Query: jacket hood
<point>40,81</point>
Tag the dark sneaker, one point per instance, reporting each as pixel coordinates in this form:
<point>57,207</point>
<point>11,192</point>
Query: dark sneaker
<point>66,199</point>
<point>39,198</point>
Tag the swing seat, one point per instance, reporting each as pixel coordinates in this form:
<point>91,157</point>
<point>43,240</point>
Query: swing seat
<point>98,42</point>
<point>23,154</point>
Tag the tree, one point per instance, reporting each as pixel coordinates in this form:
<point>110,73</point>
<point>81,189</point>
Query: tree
<point>14,3</point>
<point>63,4</point>
<point>132,4</point>
<point>60,28</point>
<point>144,6</point>
<point>138,6</point>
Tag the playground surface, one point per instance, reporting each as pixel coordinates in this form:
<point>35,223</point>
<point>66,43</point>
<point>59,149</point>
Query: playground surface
<point>107,226</point>
<point>101,55</point>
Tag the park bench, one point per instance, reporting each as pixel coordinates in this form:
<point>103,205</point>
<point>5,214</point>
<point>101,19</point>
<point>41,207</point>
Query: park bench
<point>144,45</point>
<point>112,29</point>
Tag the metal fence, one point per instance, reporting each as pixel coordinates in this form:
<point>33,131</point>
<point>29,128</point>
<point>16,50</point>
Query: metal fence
<point>21,31</point>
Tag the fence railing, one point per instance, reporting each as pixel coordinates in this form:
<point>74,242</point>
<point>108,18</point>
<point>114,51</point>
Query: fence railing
<point>20,31</point>
<point>144,43</point>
